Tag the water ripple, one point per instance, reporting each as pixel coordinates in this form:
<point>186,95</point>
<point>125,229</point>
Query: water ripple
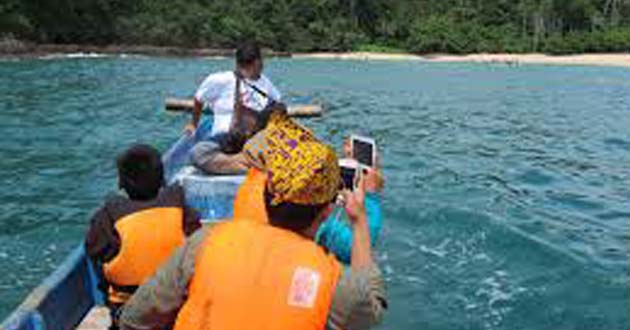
<point>506,204</point>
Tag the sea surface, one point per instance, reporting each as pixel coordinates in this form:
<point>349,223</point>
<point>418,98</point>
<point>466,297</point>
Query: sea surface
<point>507,203</point>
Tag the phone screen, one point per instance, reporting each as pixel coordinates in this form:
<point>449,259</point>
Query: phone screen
<point>347,176</point>
<point>363,152</point>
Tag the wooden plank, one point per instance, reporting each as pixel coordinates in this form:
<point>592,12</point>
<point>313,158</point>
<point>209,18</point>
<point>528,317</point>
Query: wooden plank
<point>294,110</point>
<point>305,110</point>
<point>173,104</point>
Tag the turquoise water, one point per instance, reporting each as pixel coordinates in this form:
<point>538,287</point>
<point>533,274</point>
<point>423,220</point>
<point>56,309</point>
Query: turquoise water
<point>508,189</point>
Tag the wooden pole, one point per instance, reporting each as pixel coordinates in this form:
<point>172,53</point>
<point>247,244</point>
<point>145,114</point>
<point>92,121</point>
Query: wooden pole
<point>295,110</point>
<point>173,104</point>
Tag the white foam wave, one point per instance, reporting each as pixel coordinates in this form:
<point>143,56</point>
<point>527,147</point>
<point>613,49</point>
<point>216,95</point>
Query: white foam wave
<point>496,294</point>
<point>73,56</point>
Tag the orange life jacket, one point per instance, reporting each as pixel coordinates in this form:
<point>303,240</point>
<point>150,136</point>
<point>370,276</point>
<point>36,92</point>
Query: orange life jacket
<point>147,240</point>
<point>255,276</point>
<point>249,202</point>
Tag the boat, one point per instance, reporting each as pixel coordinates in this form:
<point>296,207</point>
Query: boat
<point>63,299</point>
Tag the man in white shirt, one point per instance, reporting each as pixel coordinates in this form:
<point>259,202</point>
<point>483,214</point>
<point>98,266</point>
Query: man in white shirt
<point>219,92</point>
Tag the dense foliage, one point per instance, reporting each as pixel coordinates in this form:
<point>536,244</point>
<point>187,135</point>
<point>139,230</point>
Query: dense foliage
<point>424,26</point>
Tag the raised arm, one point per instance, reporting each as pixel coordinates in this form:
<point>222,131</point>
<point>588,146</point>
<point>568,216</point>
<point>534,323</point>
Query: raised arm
<point>196,115</point>
<point>207,93</point>
<point>359,301</point>
<point>355,208</point>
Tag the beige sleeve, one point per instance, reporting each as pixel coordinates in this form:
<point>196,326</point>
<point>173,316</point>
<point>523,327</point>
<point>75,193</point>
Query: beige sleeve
<point>359,301</point>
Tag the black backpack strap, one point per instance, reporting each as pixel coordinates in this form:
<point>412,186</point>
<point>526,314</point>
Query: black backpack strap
<point>252,86</point>
<point>237,88</point>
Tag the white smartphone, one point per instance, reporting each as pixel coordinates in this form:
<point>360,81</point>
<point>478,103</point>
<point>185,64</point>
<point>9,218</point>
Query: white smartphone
<point>348,169</point>
<point>363,150</point>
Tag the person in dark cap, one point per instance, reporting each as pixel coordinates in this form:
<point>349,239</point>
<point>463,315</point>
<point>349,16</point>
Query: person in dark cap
<point>131,236</point>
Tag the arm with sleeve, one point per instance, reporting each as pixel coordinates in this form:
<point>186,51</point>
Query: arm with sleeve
<point>209,90</point>
<point>101,244</point>
<point>359,301</point>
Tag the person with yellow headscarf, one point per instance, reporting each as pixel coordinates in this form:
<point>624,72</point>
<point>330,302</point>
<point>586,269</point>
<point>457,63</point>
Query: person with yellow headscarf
<point>335,234</point>
<point>251,275</point>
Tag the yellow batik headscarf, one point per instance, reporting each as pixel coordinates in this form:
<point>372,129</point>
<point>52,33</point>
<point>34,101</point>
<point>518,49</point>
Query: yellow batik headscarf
<point>300,168</point>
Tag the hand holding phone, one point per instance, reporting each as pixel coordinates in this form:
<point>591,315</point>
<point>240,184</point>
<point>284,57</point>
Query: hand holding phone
<point>355,203</point>
<point>348,169</point>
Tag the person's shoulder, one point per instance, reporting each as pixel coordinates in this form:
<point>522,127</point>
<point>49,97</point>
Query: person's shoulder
<point>218,79</point>
<point>173,194</point>
<point>113,203</point>
<point>222,76</point>
<point>115,200</point>
<point>265,80</point>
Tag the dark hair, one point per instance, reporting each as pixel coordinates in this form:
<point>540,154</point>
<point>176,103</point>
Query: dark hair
<point>247,52</point>
<point>271,108</point>
<point>140,172</point>
<point>250,123</point>
<point>232,142</point>
<point>291,216</point>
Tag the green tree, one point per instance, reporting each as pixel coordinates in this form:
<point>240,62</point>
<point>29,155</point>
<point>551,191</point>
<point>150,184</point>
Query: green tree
<point>457,26</point>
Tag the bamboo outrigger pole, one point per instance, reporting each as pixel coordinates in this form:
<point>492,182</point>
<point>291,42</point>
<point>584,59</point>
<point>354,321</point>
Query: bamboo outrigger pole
<point>295,110</point>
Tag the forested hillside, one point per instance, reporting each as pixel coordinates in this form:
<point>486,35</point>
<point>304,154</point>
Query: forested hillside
<point>420,26</point>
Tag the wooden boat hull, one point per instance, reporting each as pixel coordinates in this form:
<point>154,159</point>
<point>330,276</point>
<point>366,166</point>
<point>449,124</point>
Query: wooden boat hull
<point>62,300</point>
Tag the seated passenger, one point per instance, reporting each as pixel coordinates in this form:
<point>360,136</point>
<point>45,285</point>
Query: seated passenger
<point>248,275</point>
<point>226,156</point>
<point>335,233</point>
<point>131,236</point>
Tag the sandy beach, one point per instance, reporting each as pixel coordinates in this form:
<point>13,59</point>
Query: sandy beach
<point>18,49</point>
<point>517,59</point>
<point>366,56</point>
<point>507,59</point>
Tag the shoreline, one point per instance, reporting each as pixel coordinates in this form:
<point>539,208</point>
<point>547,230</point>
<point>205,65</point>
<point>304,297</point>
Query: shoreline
<point>23,50</point>
<point>588,59</point>
<point>365,56</point>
